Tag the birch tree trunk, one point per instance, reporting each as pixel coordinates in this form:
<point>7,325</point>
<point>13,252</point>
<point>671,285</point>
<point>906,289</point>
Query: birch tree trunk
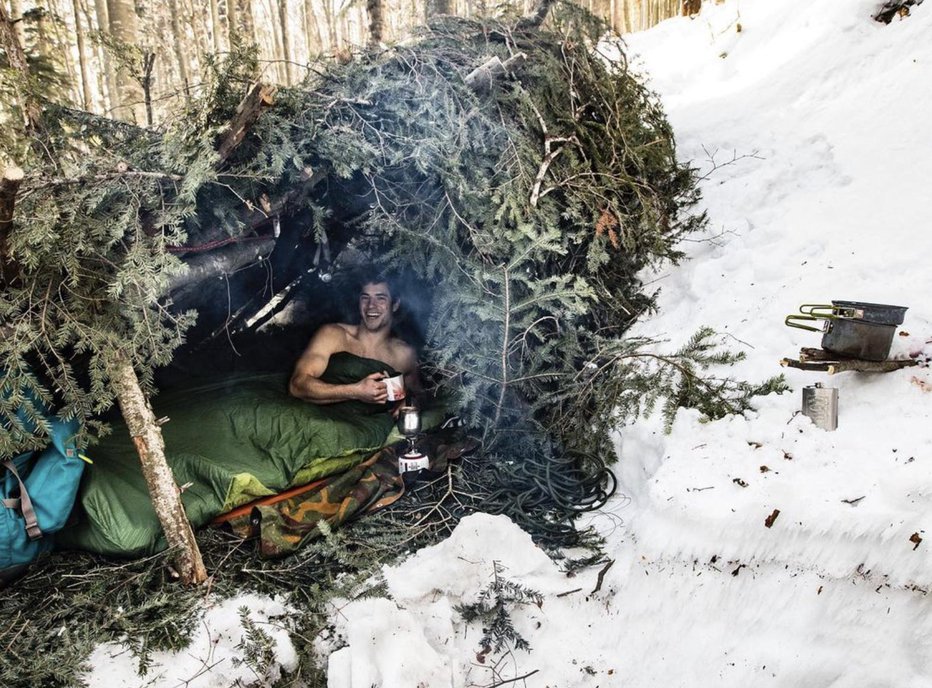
<point>180,59</point>
<point>312,28</point>
<point>215,29</point>
<point>16,57</point>
<point>166,498</point>
<point>232,23</point>
<point>86,99</point>
<point>128,100</point>
<point>247,24</point>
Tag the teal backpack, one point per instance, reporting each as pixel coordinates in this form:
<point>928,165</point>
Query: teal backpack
<point>37,491</point>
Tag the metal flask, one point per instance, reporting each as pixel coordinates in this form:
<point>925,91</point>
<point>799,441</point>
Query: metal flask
<point>821,405</point>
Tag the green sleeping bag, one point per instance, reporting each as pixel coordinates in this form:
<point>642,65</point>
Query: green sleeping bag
<point>228,443</point>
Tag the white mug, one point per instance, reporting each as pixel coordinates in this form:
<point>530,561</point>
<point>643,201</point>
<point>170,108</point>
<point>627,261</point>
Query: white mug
<point>395,386</point>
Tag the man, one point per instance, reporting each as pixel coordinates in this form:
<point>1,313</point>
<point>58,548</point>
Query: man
<point>371,338</point>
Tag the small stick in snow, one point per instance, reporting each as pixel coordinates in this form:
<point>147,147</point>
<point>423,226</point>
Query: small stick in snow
<point>853,502</point>
<point>513,680</point>
<point>598,582</point>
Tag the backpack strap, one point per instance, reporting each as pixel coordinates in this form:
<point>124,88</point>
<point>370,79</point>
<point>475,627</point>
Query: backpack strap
<point>24,504</point>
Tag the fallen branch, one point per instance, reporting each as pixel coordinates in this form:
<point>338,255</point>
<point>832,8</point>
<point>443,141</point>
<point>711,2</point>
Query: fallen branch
<point>223,261</point>
<point>258,99</point>
<point>481,78</point>
<point>840,366</point>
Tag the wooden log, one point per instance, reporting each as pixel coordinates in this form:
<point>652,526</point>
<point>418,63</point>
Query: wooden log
<point>851,364</point>
<point>9,187</point>
<point>258,99</point>
<point>166,497</point>
<point>222,261</point>
<point>482,77</point>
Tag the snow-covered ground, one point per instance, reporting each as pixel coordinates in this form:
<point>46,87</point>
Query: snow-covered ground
<point>812,122</point>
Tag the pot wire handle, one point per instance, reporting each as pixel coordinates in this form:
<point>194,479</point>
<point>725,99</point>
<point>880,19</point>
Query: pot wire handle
<point>814,308</point>
<point>806,317</point>
<point>833,311</point>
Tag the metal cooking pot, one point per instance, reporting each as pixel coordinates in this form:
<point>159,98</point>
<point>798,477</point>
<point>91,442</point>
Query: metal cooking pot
<point>880,313</point>
<point>862,338</point>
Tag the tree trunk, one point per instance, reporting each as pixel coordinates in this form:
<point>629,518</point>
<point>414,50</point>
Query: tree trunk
<point>32,110</point>
<point>376,22</point>
<point>82,57</point>
<point>287,48</point>
<point>312,28</point>
<point>108,99</point>
<point>16,13</point>
<point>128,99</point>
<point>166,498</point>
<point>215,29</point>
<point>232,28</point>
<point>247,24</point>
<point>180,59</point>
<point>331,26</point>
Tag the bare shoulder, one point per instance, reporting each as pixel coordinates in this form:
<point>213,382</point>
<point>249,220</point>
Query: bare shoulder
<point>333,333</point>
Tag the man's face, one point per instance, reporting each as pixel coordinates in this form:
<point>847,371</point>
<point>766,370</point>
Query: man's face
<point>376,307</point>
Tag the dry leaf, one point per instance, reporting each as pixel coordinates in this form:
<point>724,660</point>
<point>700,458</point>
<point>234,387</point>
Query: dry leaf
<point>768,522</point>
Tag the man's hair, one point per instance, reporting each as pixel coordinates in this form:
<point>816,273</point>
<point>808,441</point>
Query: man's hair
<point>373,275</point>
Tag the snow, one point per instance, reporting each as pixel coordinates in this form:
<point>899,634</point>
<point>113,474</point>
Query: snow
<point>213,659</point>
<point>810,126</point>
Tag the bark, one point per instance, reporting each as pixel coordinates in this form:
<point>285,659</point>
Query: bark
<point>258,99</point>
<point>165,495</point>
<point>222,261</point>
<point>32,111</point>
<point>312,28</point>
<point>215,29</point>
<point>103,24</point>
<point>331,26</point>
<point>287,47</point>
<point>247,23</point>
<point>232,28</point>
<point>828,362</point>
<point>376,22</point>
<point>82,57</point>
<point>482,77</point>
<point>16,13</point>
<point>177,43</point>
<point>148,61</point>
<point>128,99</point>
<point>9,186</point>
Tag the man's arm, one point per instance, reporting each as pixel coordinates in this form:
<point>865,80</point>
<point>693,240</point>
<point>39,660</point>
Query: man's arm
<point>306,383</point>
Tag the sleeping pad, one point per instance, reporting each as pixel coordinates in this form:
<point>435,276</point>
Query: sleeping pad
<point>228,443</point>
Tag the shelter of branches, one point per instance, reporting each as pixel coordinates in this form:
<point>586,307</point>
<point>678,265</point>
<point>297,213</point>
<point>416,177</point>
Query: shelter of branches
<point>513,173</point>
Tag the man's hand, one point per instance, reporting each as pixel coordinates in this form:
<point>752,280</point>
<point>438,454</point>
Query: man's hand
<point>372,390</point>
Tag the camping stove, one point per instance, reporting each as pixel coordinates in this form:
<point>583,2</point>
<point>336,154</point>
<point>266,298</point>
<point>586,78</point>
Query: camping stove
<point>409,423</point>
